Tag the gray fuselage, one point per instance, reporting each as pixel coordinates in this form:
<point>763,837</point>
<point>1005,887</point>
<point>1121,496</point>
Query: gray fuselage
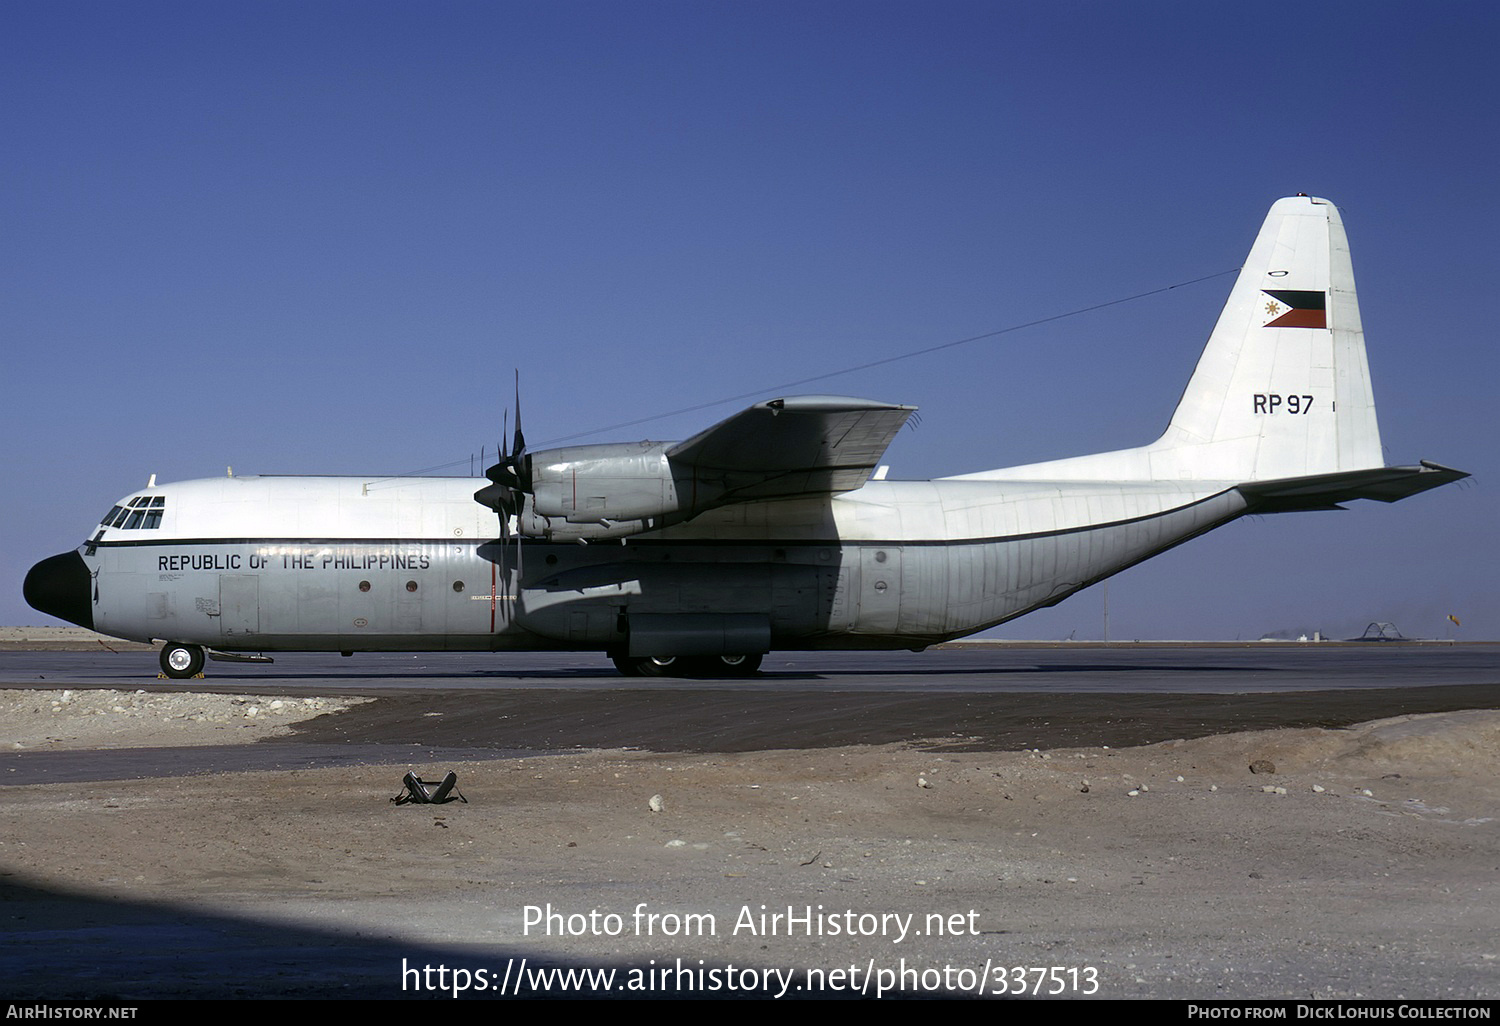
<point>341,564</point>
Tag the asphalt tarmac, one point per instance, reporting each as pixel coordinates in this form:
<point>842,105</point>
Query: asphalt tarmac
<point>994,698</point>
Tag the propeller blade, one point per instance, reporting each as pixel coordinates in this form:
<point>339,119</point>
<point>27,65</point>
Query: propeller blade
<point>510,477</point>
<point>519,445</point>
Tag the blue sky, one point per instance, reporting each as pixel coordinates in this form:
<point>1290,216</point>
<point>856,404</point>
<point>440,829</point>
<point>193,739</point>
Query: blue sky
<point>319,237</point>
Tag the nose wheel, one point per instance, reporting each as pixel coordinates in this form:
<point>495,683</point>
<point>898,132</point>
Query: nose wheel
<point>181,662</point>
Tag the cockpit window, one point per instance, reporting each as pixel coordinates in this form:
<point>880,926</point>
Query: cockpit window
<point>141,513</point>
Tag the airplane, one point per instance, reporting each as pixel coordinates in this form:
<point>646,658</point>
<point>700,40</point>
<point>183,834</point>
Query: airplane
<point>771,530</point>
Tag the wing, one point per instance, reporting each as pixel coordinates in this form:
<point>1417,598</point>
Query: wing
<point>794,446</point>
<point>807,445</point>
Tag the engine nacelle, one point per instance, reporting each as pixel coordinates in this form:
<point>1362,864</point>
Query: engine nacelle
<point>598,492</point>
<point>595,484</point>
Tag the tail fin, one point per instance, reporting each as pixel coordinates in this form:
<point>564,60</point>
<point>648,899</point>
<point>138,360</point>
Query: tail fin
<point>1283,387</point>
<point>1280,404</point>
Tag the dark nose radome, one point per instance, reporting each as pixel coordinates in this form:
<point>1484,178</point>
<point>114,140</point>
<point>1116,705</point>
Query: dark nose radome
<point>59,586</point>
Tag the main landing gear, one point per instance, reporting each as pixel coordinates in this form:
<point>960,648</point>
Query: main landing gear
<point>180,662</point>
<point>685,666</point>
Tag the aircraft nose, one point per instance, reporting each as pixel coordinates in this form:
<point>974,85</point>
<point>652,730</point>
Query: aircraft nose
<point>59,586</point>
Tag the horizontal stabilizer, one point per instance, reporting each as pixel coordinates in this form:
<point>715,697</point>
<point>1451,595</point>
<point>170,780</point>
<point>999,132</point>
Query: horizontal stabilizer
<point>1326,491</point>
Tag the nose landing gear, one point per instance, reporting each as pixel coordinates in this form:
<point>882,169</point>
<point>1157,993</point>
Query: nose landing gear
<point>181,662</point>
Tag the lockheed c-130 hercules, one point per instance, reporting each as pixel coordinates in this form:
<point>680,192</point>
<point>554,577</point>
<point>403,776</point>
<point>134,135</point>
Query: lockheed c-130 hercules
<point>765,531</point>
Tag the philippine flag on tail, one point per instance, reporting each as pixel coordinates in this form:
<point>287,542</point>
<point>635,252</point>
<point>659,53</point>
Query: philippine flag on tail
<point>1289,308</point>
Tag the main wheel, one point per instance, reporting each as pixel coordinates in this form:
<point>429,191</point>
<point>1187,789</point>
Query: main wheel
<point>646,666</point>
<point>736,665</point>
<point>658,666</point>
<point>181,661</point>
<point>678,666</point>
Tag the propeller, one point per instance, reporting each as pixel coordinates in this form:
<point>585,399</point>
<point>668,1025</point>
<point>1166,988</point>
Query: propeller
<point>511,476</point>
<point>510,481</point>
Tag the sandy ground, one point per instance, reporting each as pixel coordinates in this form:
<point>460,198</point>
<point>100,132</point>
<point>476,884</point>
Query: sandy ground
<point>87,718</point>
<point>1353,863</point>
<point>64,639</point>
